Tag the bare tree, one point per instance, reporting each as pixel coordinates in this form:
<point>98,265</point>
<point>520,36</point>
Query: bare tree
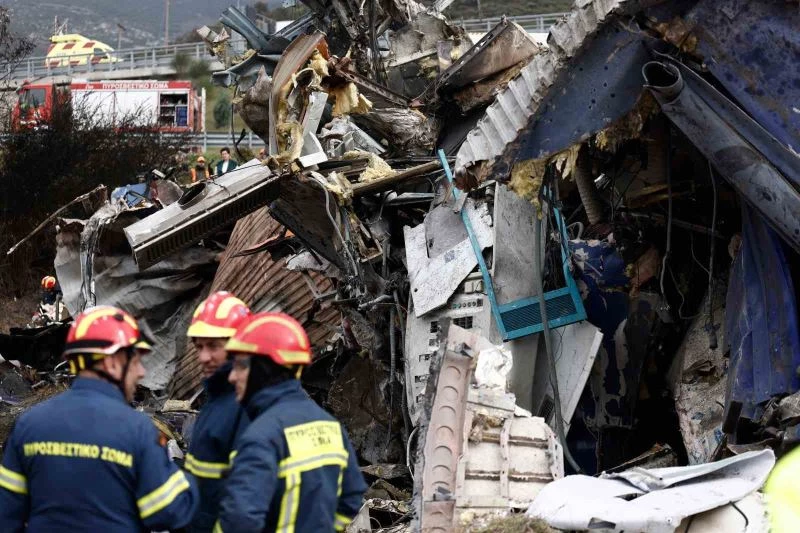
<point>14,49</point>
<point>79,148</point>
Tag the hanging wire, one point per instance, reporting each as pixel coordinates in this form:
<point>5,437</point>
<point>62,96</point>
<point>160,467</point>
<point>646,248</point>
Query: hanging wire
<point>334,224</point>
<point>669,217</point>
<point>712,333</point>
<point>691,247</point>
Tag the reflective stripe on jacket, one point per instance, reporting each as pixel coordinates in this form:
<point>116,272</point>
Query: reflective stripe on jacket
<point>219,423</point>
<point>85,461</point>
<point>294,470</point>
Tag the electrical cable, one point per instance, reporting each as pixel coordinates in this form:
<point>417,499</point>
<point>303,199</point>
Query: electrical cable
<point>538,246</point>
<point>683,299</point>
<point>746,520</point>
<point>712,333</point>
<point>696,260</point>
<point>392,343</point>
<point>334,224</point>
<point>408,450</point>
<point>669,215</point>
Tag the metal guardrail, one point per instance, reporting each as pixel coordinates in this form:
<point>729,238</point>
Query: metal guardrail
<point>220,139</point>
<point>164,56</point>
<point>203,139</point>
<point>531,23</point>
<point>126,59</point>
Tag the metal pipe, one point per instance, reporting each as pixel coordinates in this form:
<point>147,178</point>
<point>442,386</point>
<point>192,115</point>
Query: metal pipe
<point>587,188</point>
<point>753,175</point>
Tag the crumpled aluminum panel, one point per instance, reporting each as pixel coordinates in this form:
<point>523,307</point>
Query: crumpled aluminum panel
<point>512,108</point>
<point>223,201</point>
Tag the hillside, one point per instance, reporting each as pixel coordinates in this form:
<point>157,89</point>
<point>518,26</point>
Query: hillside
<point>144,19</point>
<point>97,19</point>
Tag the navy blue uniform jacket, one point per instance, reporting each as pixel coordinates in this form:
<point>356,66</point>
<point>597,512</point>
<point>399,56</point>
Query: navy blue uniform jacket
<point>294,469</point>
<point>85,461</point>
<point>220,422</point>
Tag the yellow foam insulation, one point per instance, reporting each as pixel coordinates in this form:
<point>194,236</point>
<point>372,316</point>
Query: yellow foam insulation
<point>629,126</point>
<point>283,104</point>
<point>313,84</point>
<point>319,64</point>
<point>349,101</point>
<point>679,33</point>
<point>290,141</point>
<point>376,167</point>
<point>429,66</point>
<point>526,180</point>
<point>340,186</point>
<point>565,160</point>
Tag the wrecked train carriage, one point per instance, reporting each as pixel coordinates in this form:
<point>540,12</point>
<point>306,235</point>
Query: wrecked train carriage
<point>605,237</point>
<point>666,160</point>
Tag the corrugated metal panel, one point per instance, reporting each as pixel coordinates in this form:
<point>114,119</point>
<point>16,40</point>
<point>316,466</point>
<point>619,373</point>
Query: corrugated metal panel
<point>263,284</point>
<point>520,100</point>
<point>216,204</point>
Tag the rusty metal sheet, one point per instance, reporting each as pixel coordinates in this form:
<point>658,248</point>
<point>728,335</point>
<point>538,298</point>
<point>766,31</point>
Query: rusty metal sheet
<point>265,285</point>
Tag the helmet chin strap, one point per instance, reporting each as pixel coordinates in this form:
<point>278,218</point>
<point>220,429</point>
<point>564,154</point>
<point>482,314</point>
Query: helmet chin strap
<point>120,383</point>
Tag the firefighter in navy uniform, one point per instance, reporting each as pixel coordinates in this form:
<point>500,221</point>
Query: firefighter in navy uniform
<point>84,460</point>
<point>221,419</point>
<point>294,469</point>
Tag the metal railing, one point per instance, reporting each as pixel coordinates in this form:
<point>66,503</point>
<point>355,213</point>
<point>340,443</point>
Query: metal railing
<point>118,60</point>
<point>219,139</point>
<point>204,139</point>
<point>531,23</point>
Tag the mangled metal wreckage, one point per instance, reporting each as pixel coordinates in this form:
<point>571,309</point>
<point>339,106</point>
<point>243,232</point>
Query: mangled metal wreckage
<point>604,280</point>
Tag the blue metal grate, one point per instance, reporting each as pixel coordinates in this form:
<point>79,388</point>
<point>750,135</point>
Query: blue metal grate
<point>523,317</point>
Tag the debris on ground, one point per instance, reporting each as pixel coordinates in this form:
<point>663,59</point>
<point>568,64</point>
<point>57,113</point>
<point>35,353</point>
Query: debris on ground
<point>515,523</point>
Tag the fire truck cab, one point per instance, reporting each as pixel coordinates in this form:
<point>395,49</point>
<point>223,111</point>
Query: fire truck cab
<point>169,106</point>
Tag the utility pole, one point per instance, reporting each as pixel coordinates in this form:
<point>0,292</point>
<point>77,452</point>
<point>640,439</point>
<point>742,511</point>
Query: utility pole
<point>166,22</point>
<point>120,29</point>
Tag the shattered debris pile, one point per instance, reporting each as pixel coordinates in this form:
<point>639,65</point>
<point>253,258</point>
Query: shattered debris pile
<point>605,282</point>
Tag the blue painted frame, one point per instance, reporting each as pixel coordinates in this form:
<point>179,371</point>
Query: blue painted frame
<point>571,288</point>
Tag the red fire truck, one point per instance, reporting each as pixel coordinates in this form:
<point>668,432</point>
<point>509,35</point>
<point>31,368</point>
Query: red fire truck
<point>169,106</point>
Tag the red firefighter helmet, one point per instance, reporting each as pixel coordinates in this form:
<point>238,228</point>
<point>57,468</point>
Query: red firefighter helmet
<point>218,316</point>
<point>102,331</point>
<point>274,335</point>
<point>48,283</point>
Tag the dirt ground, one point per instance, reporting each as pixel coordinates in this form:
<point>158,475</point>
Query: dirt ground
<point>9,414</point>
<point>16,312</point>
<point>516,523</point>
